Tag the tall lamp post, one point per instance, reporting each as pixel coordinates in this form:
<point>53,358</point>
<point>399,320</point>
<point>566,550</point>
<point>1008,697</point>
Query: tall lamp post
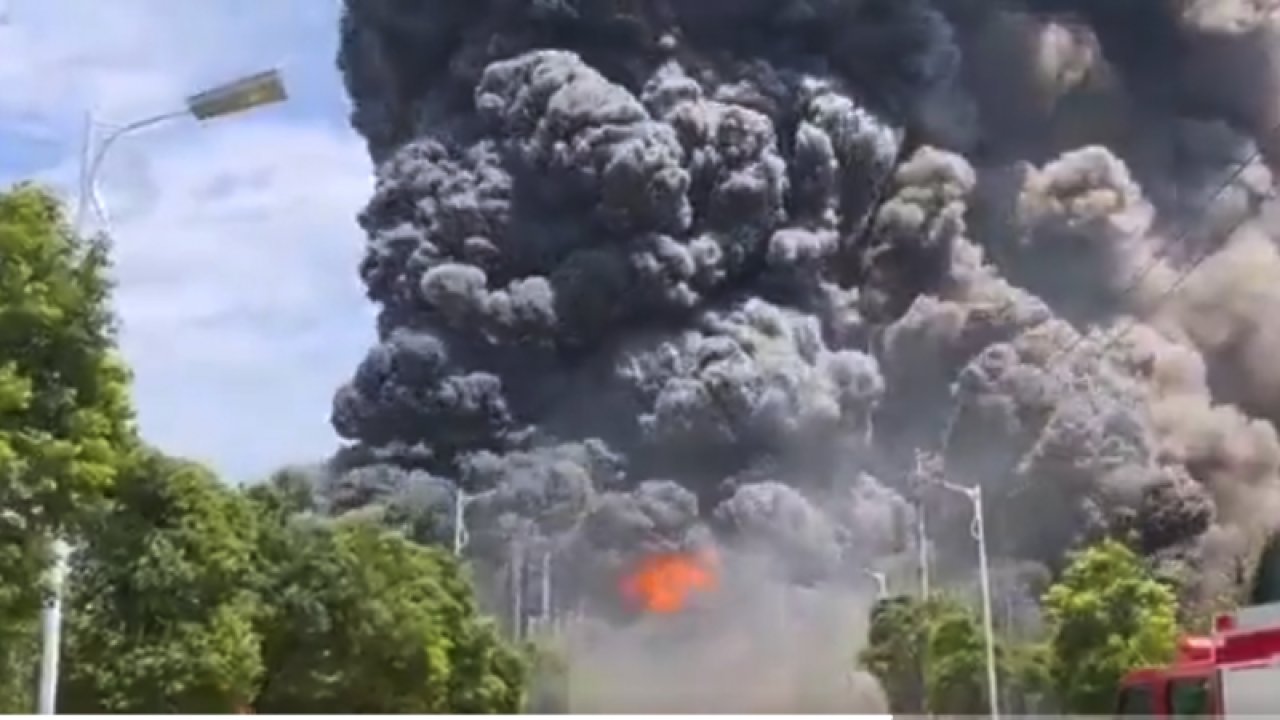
<point>232,98</point>
<point>882,582</point>
<point>237,96</point>
<point>462,499</point>
<point>919,483</point>
<point>978,529</point>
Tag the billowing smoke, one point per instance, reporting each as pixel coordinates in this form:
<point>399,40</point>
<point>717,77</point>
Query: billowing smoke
<point>664,276</point>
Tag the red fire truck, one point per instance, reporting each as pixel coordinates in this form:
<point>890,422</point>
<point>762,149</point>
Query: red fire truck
<point>1234,671</point>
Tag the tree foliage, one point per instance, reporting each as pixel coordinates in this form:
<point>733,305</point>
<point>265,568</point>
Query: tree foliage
<point>18,654</point>
<point>65,414</point>
<point>363,621</point>
<point>895,650</point>
<point>65,417</point>
<point>1265,587</point>
<point>161,605</point>
<point>955,672</point>
<point>189,596</point>
<point>1106,615</point>
<point>1026,681</point>
<point>186,595</point>
<point>930,657</point>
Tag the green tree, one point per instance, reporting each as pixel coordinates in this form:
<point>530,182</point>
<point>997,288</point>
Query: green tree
<point>21,561</point>
<point>894,654</point>
<point>361,620</point>
<point>931,658</point>
<point>955,674</point>
<point>1106,615</point>
<point>1026,682</point>
<point>1265,585</point>
<point>928,656</point>
<point>283,496</point>
<point>18,655</point>
<point>65,416</point>
<point>161,605</point>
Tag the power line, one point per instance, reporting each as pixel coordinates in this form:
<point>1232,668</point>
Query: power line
<point>1129,321</point>
<point>1157,258</point>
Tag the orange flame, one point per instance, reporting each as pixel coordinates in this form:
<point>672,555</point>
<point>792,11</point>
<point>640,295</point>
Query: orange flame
<point>663,583</point>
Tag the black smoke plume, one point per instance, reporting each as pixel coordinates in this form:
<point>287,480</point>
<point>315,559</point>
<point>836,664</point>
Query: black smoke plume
<point>664,275</point>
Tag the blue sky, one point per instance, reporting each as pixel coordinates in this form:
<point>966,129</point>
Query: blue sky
<point>236,243</point>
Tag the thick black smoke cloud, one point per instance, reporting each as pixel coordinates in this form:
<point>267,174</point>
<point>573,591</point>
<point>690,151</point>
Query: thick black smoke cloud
<point>660,275</point>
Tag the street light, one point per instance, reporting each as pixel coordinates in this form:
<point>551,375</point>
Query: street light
<point>922,540</point>
<point>237,96</point>
<point>546,588</point>
<point>978,529</point>
<point>882,582</point>
<point>919,481</point>
<point>461,500</point>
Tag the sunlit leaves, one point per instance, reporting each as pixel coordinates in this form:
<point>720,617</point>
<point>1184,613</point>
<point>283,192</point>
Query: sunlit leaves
<point>162,611</point>
<point>362,620</point>
<point>1107,615</point>
<point>65,417</point>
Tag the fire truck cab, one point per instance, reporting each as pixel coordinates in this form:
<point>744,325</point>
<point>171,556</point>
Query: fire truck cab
<point>1234,671</point>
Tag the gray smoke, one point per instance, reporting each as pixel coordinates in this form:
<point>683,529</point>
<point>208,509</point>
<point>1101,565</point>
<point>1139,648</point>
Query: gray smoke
<point>666,276</point>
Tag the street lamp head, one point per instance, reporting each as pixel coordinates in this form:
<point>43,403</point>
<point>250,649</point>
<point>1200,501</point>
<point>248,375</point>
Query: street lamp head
<point>973,492</point>
<point>264,88</point>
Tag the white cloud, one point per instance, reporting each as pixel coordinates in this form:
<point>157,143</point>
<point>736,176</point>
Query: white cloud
<point>236,244</point>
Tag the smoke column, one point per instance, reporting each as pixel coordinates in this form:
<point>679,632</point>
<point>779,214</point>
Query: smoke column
<point>660,276</point>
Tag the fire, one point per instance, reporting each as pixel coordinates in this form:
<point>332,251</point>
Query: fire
<point>663,583</point>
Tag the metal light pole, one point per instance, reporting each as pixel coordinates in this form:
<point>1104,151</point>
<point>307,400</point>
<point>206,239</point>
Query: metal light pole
<point>882,582</point>
<point>51,629</point>
<point>517,588</point>
<point>922,536</point>
<point>461,500</point>
<point>978,529</point>
<point>237,96</point>
<point>460,537</point>
<point>546,588</point>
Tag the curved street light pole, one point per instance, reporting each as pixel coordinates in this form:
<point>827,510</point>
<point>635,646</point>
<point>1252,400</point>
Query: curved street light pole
<point>978,530</point>
<point>461,500</point>
<point>93,163</point>
<point>882,582</point>
<point>237,96</point>
<point>231,98</point>
<point>460,535</point>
